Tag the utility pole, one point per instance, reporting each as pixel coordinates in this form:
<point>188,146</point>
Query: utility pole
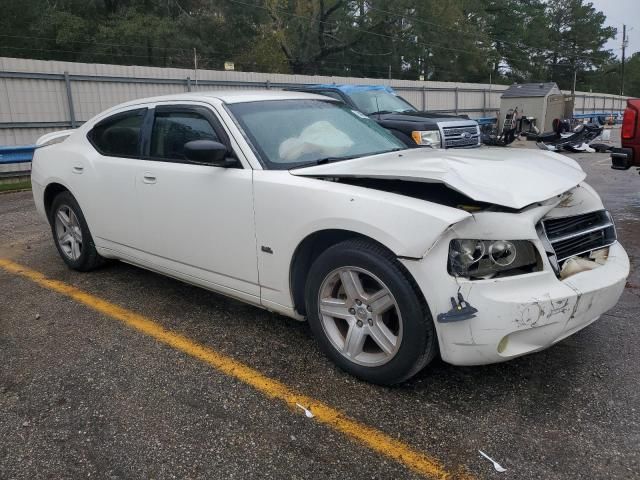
<point>493,66</point>
<point>195,65</point>
<point>625,40</point>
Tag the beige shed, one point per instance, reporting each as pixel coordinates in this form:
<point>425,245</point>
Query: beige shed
<point>543,101</point>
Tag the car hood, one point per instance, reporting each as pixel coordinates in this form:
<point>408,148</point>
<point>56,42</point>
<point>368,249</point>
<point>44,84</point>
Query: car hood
<point>511,178</point>
<point>420,117</point>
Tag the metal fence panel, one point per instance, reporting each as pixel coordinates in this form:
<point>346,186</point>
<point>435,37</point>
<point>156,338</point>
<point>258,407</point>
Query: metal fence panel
<point>38,96</point>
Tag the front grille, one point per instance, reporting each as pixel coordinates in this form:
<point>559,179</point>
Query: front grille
<point>580,234</point>
<point>452,131</point>
<point>463,136</point>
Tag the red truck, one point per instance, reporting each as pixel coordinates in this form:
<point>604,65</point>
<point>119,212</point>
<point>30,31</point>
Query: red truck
<point>629,155</point>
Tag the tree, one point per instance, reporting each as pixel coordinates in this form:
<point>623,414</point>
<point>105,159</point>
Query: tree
<point>577,37</point>
<point>310,31</point>
<point>456,40</point>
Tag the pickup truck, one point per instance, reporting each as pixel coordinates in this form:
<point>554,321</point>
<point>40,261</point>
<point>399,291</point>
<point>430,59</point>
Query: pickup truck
<point>414,128</point>
<point>629,155</point>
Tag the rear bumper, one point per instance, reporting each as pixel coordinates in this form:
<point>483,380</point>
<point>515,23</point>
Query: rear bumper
<point>527,313</point>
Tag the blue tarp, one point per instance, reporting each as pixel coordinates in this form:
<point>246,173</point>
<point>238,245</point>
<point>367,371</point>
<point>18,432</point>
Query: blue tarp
<point>353,88</point>
<point>18,154</point>
<point>486,120</point>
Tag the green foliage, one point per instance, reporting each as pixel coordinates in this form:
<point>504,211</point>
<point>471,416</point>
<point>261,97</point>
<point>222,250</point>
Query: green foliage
<point>456,40</point>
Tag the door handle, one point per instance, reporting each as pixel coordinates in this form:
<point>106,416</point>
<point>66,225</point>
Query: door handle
<point>148,177</point>
<point>78,169</point>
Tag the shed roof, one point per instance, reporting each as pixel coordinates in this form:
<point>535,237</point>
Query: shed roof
<point>531,90</point>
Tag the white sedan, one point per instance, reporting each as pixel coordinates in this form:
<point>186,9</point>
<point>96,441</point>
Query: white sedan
<point>297,204</point>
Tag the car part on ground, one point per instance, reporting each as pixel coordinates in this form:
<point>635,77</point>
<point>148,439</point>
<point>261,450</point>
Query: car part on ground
<point>282,214</point>
<point>575,141</point>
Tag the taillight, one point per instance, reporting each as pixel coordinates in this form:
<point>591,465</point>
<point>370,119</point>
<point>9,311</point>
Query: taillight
<point>629,123</point>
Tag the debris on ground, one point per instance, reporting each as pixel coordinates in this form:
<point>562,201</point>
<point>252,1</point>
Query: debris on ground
<point>496,465</point>
<point>306,411</point>
<point>577,140</point>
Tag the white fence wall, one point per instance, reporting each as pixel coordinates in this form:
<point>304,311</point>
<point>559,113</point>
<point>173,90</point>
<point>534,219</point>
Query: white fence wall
<point>39,96</point>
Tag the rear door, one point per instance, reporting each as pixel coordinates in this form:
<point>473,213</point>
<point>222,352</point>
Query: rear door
<point>197,220</point>
<point>110,175</point>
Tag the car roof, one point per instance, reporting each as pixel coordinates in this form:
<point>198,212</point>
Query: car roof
<point>228,96</point>
<point>346,88</point>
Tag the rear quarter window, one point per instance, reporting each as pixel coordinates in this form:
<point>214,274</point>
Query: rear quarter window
<point>118,135</point>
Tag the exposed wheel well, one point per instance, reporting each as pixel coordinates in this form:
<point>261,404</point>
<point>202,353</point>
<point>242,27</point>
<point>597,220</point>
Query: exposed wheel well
<point>306,253</point>
<point>51,192</point>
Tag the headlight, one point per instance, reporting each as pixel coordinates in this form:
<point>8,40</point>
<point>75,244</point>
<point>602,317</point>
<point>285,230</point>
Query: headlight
<point>487,258</point>
<point>429,138</point>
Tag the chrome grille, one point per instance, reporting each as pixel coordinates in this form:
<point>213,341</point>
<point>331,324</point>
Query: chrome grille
<point>463,136</point>
<point>451,131</point>
<point>580,234</point>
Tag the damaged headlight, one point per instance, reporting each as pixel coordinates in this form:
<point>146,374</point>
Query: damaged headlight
<point>430,138</point>
<point>487,258</point>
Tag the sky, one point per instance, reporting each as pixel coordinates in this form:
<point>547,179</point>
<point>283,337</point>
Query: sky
<point>619,12</point>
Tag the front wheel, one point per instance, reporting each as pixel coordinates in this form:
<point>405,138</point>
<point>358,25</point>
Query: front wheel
<point>367,313</point>
<point>71,234</point>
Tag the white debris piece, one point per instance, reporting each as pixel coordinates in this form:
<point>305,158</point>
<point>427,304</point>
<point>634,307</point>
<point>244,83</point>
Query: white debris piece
<point>307,412</point>
<point>496,465</point>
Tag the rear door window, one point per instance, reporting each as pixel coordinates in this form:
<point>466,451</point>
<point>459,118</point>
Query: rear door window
<point>119,135</point>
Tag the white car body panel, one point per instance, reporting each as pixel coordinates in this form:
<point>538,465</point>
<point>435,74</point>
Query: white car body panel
<point>290,208</point>
<point>491,175</point>
<point>208,225</point>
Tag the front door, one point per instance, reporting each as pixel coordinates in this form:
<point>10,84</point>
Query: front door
<point>197,220</point>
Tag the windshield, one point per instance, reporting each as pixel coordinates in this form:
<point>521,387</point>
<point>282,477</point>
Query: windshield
<point>374,101</point>
<point>292,133</point>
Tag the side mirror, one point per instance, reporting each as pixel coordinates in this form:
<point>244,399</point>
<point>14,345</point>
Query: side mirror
<point>208,152</point>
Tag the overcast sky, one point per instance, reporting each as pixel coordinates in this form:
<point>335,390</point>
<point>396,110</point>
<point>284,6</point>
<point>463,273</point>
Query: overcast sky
<point>619,12</point>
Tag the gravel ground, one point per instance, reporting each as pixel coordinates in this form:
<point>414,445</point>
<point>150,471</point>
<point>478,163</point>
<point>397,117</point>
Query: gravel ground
<point>81,395</point>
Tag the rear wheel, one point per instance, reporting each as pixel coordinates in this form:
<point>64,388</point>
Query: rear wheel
<point>367,314</point>
<point>71,234</point>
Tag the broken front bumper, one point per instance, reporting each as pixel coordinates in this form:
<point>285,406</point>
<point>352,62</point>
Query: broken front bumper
<point>526,313</point>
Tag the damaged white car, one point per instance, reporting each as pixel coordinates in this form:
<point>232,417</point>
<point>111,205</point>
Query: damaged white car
<point>295,203</point>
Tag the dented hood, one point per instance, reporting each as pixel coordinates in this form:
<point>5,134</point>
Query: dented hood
<point>508,177</point>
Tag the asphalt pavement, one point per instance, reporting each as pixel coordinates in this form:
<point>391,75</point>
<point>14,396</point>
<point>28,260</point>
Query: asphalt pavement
<point>84,395</point>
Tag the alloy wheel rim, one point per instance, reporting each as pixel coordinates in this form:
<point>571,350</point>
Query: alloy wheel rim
<point>360,316</point>
<point>68,232</point>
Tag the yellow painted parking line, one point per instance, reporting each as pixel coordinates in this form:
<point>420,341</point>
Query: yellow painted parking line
<point>361,433</point>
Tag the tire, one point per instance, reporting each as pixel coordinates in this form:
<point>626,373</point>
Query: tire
<point>408,332</point>
<point>67,221</point>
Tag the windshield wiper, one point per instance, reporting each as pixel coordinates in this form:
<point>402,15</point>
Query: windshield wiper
<point>325,160</point>
<point>322,161</point>
<point>382,112</point>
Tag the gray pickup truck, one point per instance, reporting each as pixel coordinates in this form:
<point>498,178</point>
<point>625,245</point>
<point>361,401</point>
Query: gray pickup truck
<point>391,111</point>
